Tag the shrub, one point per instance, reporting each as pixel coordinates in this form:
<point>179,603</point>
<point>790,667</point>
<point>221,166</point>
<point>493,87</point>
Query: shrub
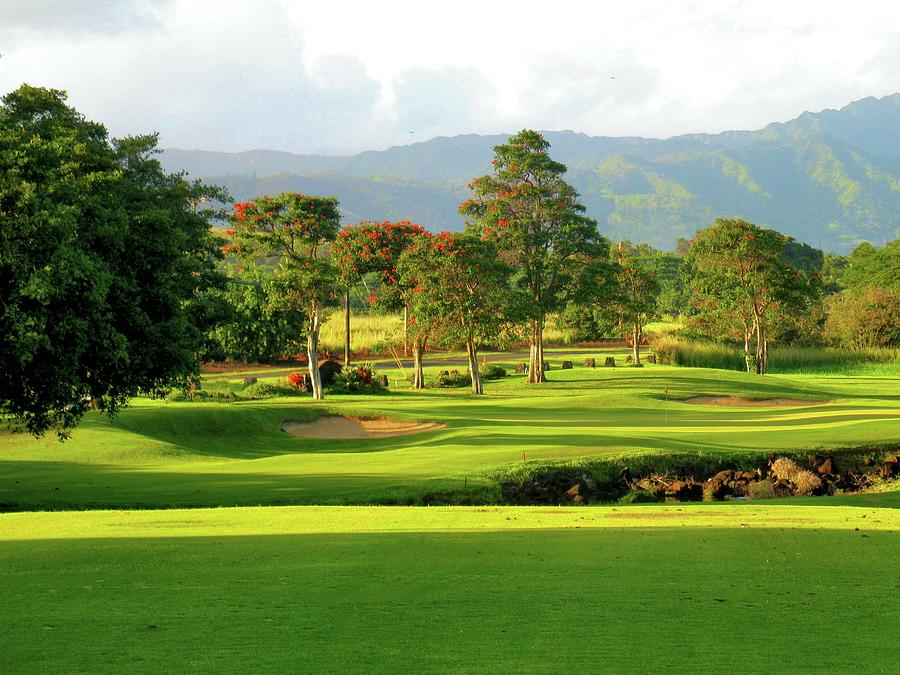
<point>269,390</point>
<point>492,372</point>
<point>297,380</point>
<point>201,396</point>
<point>453,379</point>
<point>360,380</point>
<point>806,483</point>
<point>785,469</point>
<point>763,489</point>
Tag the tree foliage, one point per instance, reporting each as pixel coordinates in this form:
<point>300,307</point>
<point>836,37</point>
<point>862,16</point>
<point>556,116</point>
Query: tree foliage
<point>864,317</point>
<point>742,284</point>
<point>103,257</point>
<point>868,266</point>
<point>540,229</point>
<point>295,230</point>
<point>460,288</point>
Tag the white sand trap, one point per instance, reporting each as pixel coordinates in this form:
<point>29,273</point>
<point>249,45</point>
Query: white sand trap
<point>741,402</point>
<point>338,427</point>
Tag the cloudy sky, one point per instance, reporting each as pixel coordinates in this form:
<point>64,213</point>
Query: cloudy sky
<point>339,77</point>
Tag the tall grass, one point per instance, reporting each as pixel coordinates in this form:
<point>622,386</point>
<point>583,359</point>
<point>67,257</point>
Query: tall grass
<point>787,359</point>
<point>368,332</point>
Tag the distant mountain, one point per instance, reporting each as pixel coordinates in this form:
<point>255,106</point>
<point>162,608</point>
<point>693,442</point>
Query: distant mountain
<point>830,179</point>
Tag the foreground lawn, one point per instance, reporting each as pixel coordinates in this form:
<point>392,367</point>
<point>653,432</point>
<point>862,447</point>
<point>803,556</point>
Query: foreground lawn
<point>158,454</point>
<point>323,589</point>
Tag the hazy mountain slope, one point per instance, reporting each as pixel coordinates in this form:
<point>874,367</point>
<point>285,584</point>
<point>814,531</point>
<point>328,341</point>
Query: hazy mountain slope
<point>830,179</point>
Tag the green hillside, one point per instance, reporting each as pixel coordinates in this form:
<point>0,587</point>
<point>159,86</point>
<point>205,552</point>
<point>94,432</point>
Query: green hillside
<point>831,179</point>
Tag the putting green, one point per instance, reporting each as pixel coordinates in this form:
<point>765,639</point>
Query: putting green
<point>208,454</point>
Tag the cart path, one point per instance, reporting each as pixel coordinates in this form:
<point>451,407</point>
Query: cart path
<point>428,361</point>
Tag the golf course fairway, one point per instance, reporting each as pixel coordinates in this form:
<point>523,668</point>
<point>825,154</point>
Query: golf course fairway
<point>503,589</point>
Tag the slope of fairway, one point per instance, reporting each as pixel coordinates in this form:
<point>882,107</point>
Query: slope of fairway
<point>323,589</point>
<point>207,454</point>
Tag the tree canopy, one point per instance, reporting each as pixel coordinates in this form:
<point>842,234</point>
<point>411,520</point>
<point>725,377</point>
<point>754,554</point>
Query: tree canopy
<point>540,229</point>
<point>103,256</point>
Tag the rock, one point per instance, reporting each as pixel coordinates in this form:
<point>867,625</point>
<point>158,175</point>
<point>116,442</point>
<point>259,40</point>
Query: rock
<point>249,381</point>
<point>610,362</point>
<point>567,365</point>
<point>685,491</point>
<point>574,490</point>
<point>715,489</point>
<point>724,476</point>
<point>651,358</point>
<point>577,499</point>
<point>590,362</point>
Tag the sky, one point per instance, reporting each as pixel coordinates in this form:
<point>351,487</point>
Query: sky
<point>341,77</point>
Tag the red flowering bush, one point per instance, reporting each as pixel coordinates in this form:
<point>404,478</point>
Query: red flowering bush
<point>297,380</point>
<point>360,380</point>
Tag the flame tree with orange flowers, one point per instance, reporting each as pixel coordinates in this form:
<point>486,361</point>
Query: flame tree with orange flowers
<point>296,230</point>
<point>541,230</point>
<point>373,247</point>
<point>460,290</point>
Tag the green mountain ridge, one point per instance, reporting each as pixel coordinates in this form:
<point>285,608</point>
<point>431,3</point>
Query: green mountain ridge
<point>830,179</point>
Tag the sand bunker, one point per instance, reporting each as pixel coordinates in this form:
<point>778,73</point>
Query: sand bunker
<point>741,402</point>
<point>337,427</point>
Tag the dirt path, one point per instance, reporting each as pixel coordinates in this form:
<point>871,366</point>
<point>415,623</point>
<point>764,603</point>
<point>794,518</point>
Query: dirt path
<point>407,363</point>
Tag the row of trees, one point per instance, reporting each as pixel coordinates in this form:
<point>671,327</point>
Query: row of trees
<point>528,251</point>
<point>110,287</point>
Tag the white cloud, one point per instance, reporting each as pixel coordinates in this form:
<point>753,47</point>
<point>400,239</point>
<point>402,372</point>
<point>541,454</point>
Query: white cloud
<point>342,77</point>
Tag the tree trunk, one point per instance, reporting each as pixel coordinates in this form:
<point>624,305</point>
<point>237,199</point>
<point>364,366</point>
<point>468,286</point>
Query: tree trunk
<point>405,330</point>
<point>312,353</point>
<point>636,335</point>
<point>347,328</point>
<point>418,372</point>
<point>472,353</point>
<point>747,361</point>
<point>760,348</point>
<point>536,355</point>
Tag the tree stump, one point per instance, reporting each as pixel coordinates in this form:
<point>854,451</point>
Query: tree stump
<point>590,362</point>
<point>567,365</point>
<point>248,381</point>
<point>610,362</point>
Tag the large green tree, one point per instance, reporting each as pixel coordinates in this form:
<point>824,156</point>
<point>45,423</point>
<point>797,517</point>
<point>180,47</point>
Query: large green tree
<point>295,230</point>
<point>635,303</point>
<point>103,257</point>
<point>868,266</point>
<point>740,278</point>
<point>540,229</point>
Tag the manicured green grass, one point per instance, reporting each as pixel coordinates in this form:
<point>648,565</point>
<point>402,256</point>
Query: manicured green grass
<point>697,588</point>
<point>159,454</point>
